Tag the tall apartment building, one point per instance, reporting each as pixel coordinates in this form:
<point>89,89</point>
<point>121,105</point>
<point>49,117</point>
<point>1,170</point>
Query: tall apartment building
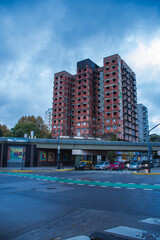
<point>96,101</point>
<point>48,118</point>
<point>142,122</point>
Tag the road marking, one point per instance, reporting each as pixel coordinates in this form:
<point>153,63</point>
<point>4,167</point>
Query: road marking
<point>133,233</point>
<point>130,188</point>
<point>118,182</point>
<point>104,186</point>
<point>131,183</point>
<point>144,184</point>
<point>78,238</point>
<point>92,185</point>
<point>80,184</point>
<point>155,221</point>
<point>83,182</point>
<point>157,184</point>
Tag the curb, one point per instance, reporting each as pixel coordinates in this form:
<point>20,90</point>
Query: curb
<point>145,173</point>
<point>63,170</point>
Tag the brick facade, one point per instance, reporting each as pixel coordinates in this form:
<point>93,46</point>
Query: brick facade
<point>97,101</point>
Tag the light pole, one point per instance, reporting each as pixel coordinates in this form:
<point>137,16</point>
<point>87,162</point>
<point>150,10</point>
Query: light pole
<point>150,147</point>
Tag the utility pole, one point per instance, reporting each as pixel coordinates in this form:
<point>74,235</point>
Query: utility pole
<point>150,148</point>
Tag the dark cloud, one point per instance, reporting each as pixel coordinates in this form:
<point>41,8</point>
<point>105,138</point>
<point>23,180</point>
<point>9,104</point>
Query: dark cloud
<point>39,38</point>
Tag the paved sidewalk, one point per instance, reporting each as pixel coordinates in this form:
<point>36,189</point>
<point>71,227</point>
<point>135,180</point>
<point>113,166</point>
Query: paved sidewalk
<point>37,169</point>
<point>154,171</point>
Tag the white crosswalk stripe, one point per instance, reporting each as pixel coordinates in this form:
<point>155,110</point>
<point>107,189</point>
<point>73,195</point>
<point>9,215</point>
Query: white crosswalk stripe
<point>133,233</point>
<point>155,221</point>
<point>78,238</point>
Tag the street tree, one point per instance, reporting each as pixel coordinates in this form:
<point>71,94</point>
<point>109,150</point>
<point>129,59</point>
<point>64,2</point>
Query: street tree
<point>26,124</point>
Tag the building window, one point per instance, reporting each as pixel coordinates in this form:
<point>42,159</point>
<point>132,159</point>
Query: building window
<point>107,94</point>
<point>78,124</point>
<point>79,118</point>
<point>107,75</point>
<point>107,81</point>
<point>113,61</point>
<point>114,93</point>
<point>84,124</point>
<point>115,113</point>
<point>108,114</point>
<point>108,121</point>
<point>114,120</point>
<point>114,99</point>
<point>108,107</point>
<point>107,69</point>
<point>107,87</point>
<point>84,117</point>
<point>84,111</point>
<point>114,106</point>
<point>114,86</point>
<point>114,79</point>
<point>108,100</point>
<point>114,127</point>
<point>108,128</point>
<point>79,111</point>
<point>107,63</point>
<point>113,73</point>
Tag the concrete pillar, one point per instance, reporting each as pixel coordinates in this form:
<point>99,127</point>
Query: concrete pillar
<point>31,155</point>
<point>1,162</point>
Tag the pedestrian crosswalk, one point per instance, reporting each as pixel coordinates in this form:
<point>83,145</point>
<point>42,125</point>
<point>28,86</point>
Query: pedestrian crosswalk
<point>127,232</point>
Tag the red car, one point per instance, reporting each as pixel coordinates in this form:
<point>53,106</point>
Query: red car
<point>116,166</point>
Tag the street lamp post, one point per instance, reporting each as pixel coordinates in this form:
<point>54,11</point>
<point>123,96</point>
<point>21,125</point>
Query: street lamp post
<point>150,148</point>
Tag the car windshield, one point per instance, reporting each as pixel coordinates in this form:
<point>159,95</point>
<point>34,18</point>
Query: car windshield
<point>101,163</point>
<point>83,163</point>
<point>115,163</point>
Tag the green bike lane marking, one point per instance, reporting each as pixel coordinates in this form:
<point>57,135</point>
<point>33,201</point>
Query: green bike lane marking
<point>85,182</point>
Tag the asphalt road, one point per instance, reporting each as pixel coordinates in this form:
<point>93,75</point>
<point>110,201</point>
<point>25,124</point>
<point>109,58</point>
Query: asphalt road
<point>67,204</point>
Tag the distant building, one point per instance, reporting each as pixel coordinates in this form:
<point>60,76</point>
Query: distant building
<point>142,122</point>
<point>96,101</point>
<point>48,118</point>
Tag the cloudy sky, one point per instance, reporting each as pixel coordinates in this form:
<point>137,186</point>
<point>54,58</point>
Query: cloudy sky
<point>41,37</point>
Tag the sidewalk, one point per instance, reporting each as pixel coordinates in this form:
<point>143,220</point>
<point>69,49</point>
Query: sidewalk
<point>37,169</point>
<point>154,171</point>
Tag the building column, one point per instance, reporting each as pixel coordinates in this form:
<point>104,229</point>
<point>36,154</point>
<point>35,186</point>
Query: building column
<point>1,162</point>
<point>31,155</point>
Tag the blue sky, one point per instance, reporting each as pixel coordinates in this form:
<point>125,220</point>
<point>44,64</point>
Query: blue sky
<point>39,38</point>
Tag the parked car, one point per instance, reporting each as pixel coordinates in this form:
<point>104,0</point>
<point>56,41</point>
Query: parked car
<point>145,164</point>
<point>116,166</point>
<point>102,165</point>
<point>135,166</point>
<point>83,165</point>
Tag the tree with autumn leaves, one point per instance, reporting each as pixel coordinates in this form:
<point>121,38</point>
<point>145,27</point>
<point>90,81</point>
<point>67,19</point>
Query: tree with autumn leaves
<point>26,124</point>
